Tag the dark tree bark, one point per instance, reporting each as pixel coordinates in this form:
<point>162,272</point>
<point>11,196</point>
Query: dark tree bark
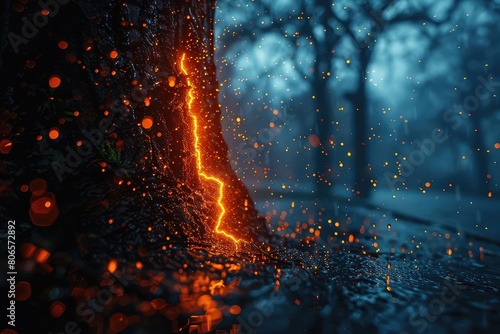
<point>359,101</point>
<point>121,185</point>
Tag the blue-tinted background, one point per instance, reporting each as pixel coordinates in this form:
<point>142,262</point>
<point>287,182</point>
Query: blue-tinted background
<point>394,102</point>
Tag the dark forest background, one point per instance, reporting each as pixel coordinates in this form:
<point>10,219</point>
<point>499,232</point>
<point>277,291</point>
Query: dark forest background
<point>342,98</point>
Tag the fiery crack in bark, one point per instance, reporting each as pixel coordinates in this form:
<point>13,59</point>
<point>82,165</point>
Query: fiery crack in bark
<point>199,164</point>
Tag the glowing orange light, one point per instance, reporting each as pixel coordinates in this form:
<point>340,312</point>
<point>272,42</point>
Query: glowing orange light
<point>147,122</point>
<point>314,140</point>
<point>63,45</point>
<point>112,265</point>
<point>198,157</point>
<point>54,81</point>
<point>171,81</point>
<point>5,146</point>
<point>42,255</point>
<point>113,54</point>
<point>118,322</point>
<point>57,309</point>
<point>54,133</point>
<point>235,310</point>
<point>28,250</point>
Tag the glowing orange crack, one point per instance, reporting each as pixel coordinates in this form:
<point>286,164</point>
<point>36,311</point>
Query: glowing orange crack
<point>198,157</point>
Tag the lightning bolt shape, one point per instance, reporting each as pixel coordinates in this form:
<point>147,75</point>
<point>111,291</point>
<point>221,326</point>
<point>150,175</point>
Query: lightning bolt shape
<point>199,165</point>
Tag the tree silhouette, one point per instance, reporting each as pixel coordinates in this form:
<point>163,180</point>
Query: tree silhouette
<point>320,29</point>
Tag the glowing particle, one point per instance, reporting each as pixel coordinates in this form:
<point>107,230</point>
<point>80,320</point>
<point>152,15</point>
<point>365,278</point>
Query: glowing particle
<point>314,140</point>
<point>42,255</point>
<point>118,322</point>
<point>54,81</point>
<point>54,133</point>
<point>112,265</point>
<point>147,122</point>
<point>63,45</point>
<point>57,309</point>
<point>171,81</point>
<point>113,54</point>
<point>235,310</point>
<point>5,146</point>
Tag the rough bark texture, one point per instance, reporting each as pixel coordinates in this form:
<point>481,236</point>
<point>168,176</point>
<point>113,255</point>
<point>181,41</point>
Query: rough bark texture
<point>119,187</point>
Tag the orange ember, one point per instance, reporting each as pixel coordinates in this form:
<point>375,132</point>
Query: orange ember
<point>112,265</point>
<point>54,81</point>
<point>191,98</point>
<point>147,122</point>
<point>42,255</point>
<point>171,81</point>
<point>57,309</point>
<point>54,133</point>
<point>63,45</point>
<point>5,146</point>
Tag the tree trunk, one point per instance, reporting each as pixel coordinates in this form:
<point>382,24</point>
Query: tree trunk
<point>324,116</point>
<point>101,107</point>
<point>360,152</point>
<point>324,111</point>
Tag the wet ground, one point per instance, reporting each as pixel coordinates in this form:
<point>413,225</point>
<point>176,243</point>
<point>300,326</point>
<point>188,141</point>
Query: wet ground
<point>335,267</point>
<point>368,271</point>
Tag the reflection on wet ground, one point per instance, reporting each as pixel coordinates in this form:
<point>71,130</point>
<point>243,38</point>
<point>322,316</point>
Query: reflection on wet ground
<point>333,268</point>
